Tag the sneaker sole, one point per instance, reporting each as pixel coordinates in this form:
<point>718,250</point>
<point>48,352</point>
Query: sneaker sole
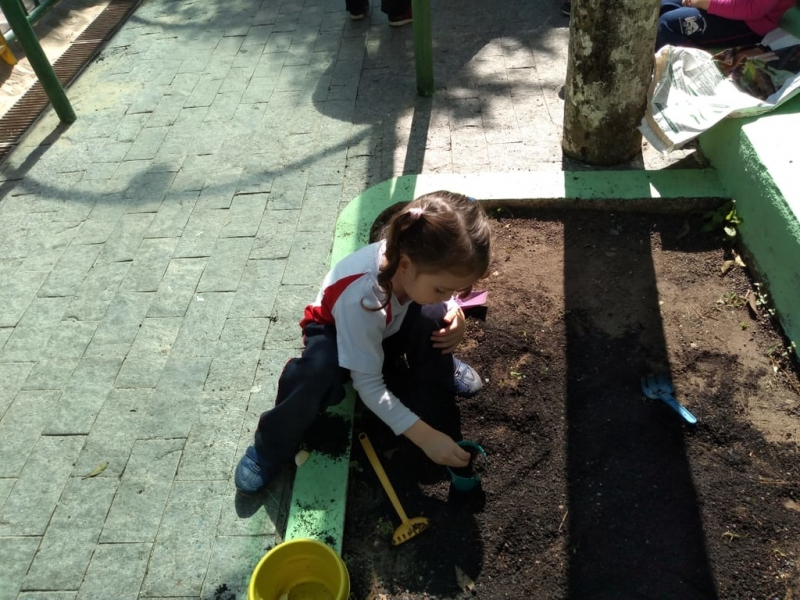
<point>400,23</point>
<point>356,17</point>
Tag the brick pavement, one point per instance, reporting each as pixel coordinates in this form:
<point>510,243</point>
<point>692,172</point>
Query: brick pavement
<point>156,255</point>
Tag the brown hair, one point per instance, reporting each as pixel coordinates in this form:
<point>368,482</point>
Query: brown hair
<point>440,231</point>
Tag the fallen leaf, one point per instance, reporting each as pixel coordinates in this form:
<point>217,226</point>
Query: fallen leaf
<point>301,457</point>
<point>463,580</point>
<point>726,266</point>
<point>96,471</point>
<point>738,260</point>
<point>751,303</point>
<point>792,505</point>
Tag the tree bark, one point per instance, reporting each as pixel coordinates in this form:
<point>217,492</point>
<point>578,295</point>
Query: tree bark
<point>610,65</point>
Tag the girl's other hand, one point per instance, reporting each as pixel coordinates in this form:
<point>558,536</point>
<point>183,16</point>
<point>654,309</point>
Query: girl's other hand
<point>701,4</point>
<point>449,337</point>
<point>438,446</point>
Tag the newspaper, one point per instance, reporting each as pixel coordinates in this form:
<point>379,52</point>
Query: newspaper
<point>692,90</point>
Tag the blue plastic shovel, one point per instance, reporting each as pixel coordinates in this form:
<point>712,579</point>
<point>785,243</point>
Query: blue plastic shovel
<point>658,387</point>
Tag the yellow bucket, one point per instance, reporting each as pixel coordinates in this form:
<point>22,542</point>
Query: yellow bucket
<point>302,569</point>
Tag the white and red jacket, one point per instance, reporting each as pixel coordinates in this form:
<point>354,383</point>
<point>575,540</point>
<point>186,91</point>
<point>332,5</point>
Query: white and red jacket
<point>349,292</point>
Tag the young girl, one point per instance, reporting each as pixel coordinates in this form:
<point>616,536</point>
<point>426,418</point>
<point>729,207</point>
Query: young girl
<point>387,301</point>
<point>718,23</point>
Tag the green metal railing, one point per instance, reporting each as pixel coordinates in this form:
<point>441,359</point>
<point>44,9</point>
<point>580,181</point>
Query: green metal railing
<point>33,15</point>
<point>15,13</point>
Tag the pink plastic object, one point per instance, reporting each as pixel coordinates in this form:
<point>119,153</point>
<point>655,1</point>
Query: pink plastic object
<point>473,299</point>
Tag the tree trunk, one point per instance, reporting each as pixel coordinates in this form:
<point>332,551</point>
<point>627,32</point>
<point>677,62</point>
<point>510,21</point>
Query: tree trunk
<point>611,48</point>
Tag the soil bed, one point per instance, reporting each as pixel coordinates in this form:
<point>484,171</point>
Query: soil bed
<point>591,490</point>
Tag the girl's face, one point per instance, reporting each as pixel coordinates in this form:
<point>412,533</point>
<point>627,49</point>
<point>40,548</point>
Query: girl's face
<point>427,288</point>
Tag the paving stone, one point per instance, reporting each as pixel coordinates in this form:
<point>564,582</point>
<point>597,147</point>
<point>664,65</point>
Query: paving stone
<point>148,188</point>
<point>34,329</point>
<point>84,395</point>
<point>97,291</point>
<point>30,506</point>
<point>200,233</point>
<point>144,488</point>
<point>321,206</point>
<point>51,374</point>
<point>309,258</point>
<point>69,339</point>
<point>21,426</point>
<point>47,596</point>
<point>218,191</point>
<point>173,215</point>
<point>185,539</point>
<point>233,559</point>
<point>204,92</point>
<point>17,293</point>
<point>114,432</point>
<point>143,372</point>
<point>202,325</point>
<point>226,265</point>
<point>237,354</point>
<point>289,306</point>
<point>244,216</point>
<point>288,191</point>
<point>6,485</point>
<point>258,289</point>
<point>177,288</point>
<point>149,265</point>
<point>12,377</point>
<point>70,270</point>
<point>223,107</point>
<point>16,555</point>
<point>126,237</point>
<point>71,536</point>
<point>188,374</point>
<point>210,451</point>
<point>104,578</point>
<point>120,325</point>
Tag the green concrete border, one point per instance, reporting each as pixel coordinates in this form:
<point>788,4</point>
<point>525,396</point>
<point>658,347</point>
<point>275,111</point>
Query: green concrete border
<point>318,504</point>
<point>758,160</point>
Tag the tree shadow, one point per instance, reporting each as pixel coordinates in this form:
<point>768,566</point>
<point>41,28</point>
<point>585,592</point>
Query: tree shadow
<point>634,522</point>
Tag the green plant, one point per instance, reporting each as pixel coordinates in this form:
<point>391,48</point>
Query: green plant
<point>732,300</point>
<point>725,217</point>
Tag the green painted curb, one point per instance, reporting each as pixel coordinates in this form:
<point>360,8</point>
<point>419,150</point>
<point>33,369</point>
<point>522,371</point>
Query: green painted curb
<point>319,495</point>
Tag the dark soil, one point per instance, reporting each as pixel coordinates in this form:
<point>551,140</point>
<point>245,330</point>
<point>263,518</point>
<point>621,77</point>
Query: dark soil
<point>591,490</point>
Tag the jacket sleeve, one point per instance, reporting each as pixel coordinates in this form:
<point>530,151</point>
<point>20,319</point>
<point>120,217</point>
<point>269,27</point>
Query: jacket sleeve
<point>375,395</point>
<point>741,10</point>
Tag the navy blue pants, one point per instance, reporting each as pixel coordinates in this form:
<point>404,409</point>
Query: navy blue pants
<point>684,26</point>
<point>414,370</point>
<point>390,7</point>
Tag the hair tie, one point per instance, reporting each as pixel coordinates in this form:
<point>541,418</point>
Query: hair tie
<point>415,213</point>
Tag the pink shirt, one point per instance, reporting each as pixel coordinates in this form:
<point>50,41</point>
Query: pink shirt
<point>761,16</point>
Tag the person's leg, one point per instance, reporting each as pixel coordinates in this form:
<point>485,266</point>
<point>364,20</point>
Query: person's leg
<point>307,385</point>
<point>696,28</point>
<point>357,8</point>
<point>399,11</point>
<point>424,379</point>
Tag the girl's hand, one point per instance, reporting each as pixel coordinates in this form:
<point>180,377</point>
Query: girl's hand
<point>449,336</point>
<point>701,4</point>
<point>438,446</point>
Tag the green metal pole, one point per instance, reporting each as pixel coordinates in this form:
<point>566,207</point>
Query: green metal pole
<point>15,15</point>
<point>423,46</point>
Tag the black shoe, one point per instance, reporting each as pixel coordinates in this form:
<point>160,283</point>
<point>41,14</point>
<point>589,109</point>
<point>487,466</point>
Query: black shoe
<point>401,19</point>
<point>359,14</point>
